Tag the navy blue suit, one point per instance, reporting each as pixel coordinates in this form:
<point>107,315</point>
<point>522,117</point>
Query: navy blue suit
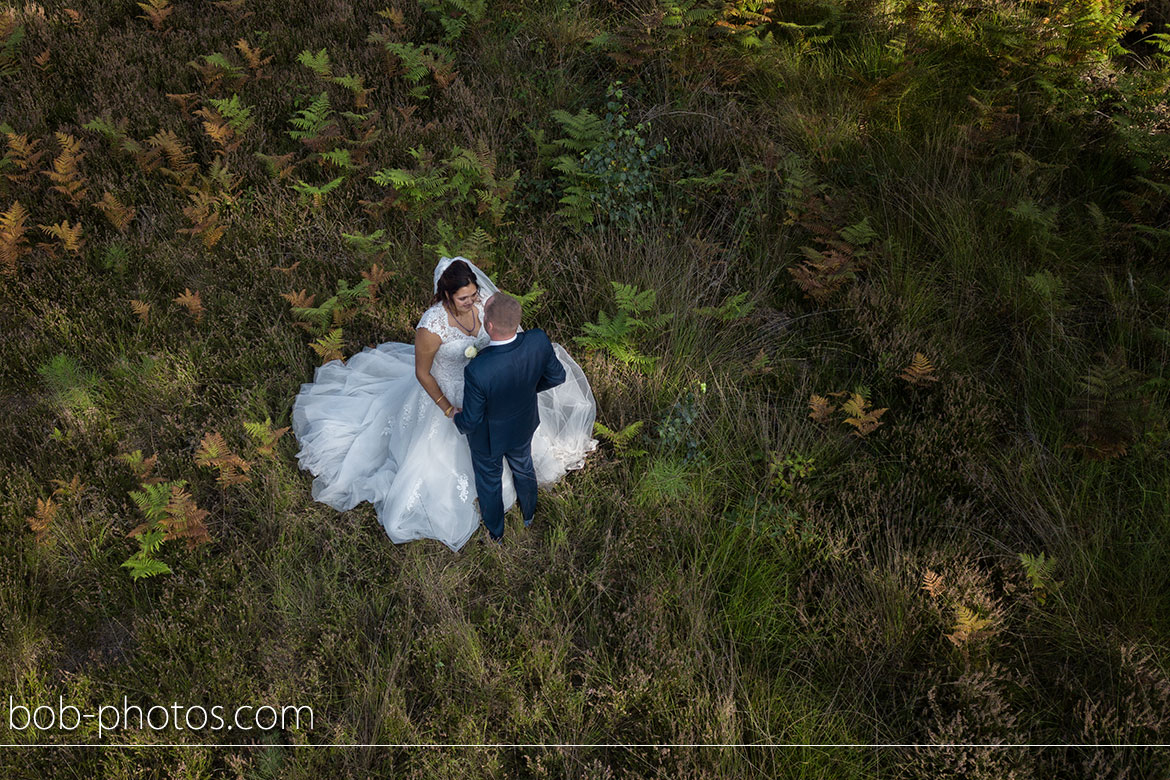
<point>499,417</point>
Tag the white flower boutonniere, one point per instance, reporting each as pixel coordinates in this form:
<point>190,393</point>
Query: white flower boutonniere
<point>470,352</point>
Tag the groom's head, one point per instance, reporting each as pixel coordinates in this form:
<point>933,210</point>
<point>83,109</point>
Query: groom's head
<point>501,316</point>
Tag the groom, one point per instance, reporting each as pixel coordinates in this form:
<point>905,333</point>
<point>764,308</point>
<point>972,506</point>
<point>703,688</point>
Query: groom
<point>499,408</point>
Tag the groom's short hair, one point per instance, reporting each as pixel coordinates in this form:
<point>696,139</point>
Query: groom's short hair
<point>503,311</point>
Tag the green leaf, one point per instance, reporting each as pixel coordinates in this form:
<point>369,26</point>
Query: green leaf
<point>318,63</point>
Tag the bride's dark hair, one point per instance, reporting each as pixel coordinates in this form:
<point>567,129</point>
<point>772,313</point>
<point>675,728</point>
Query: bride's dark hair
<point>454,277</point>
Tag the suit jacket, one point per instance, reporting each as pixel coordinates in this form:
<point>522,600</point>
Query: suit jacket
<point>499,392</point>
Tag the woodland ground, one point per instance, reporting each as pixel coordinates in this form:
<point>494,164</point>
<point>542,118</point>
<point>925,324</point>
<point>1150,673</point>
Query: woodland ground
<point>872,295</point>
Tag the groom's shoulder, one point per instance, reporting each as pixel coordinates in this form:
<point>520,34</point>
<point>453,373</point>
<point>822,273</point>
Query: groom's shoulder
<point>535,335</point>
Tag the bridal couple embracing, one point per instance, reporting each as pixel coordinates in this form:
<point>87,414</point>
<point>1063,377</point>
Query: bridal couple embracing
<point>453,429</point>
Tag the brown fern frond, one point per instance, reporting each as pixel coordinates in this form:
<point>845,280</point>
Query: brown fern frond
<point>822,274</point>
<point>120,216</point>
<point>13,243</point>
<point>211,448</point>
<point>967,624</point>
<point>70,235</point>
<point>855,406</point>
<point>65,174</point>
<point>40,521</point>
<point>70,489</point>
<point>204,217</point>
<point>375,276</point>
<point>919,372</point>
<point>218,130</point>
<point>42,59</point>
<point>183,100</point>
<point>443,73</point>
<point>141,309</point>
<point>299,299</point>
<point>867,423</point>
<point>395,17</point>
<point>328,347</point>
<point>192,302</point>
<point>180,164</point>
<point>75,17</point>
<point>761,365</point>
<point>232,470</point>
<point>184,519</point>
<point>213,451</point>
<point>819,408</point>
<point>8,19</point>
<point>24,155</point>
<point>932,583</point>
<point>288,269</point>
<point>253,57</point>
<point>863,419</point>
<point>156,12</point>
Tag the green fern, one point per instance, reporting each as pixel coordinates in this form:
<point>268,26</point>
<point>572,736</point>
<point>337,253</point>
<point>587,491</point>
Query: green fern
<point>615,334</point>
<point>585,130</point>
<point>1046,285</point>
<point>1040,570</point>
<point>464,178</point>
<point>530,300</point>
<point>152,500</point>
<point>237,115</point>
<point>734,308</point>
<point>415,62</point>
<point>335,310</point>
<point>621,440</point>
<point>356,85</point>
<point>115,133</point>
<point>217,66</point>
<point>318,63</point>
<point>455,16</point>
<point>317,193</point>
<point>339,158</point>
<point>859,234</point>
<point>368,244</point>
<point>311,121</point>
<point>114,258</point>
<point>143,563</point>
<point>8,59</point>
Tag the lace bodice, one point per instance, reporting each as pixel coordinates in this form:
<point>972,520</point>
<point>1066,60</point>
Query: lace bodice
<point>450,360</point>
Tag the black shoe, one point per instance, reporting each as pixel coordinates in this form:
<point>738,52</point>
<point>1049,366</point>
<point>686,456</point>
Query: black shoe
<point>489,539</point>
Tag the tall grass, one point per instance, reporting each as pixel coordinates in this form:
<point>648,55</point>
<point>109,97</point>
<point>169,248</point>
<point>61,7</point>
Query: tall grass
<point>680,596</point>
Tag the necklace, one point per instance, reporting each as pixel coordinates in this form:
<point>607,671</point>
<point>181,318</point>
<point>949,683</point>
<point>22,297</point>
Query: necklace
<point>463,327</point>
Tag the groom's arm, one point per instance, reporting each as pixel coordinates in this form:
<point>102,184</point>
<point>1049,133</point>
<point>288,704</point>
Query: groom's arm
<point>554,372</point>
<point>473,402</point>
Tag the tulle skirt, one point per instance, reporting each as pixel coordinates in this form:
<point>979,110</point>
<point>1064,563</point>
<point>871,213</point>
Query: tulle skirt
<point>369,432</point>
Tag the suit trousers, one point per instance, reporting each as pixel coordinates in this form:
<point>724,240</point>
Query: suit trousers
<point>488,474</point>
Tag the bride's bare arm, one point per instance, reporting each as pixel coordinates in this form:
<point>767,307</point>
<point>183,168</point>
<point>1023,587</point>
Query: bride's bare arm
<point>426,344</point>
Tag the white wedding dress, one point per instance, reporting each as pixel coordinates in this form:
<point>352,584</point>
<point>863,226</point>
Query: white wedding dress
<point>368,431</point>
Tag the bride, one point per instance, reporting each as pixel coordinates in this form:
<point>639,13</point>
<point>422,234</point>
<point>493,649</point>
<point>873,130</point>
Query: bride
<point>377,428</point>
